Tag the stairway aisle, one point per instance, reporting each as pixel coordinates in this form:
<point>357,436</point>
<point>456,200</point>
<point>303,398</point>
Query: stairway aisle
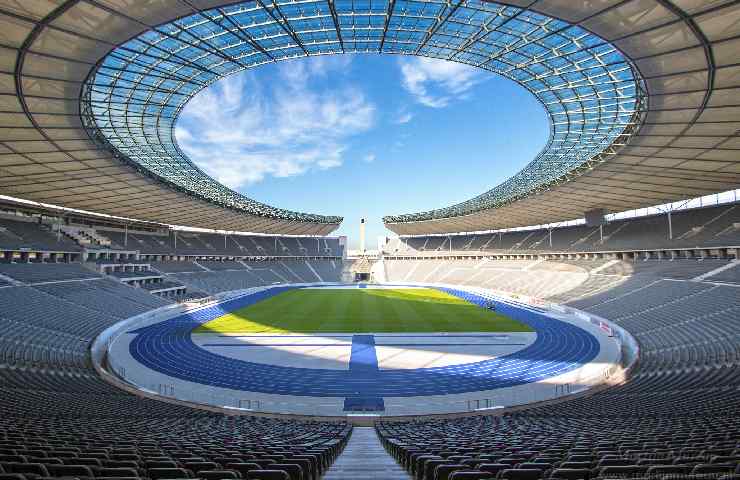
<point>364,458</point>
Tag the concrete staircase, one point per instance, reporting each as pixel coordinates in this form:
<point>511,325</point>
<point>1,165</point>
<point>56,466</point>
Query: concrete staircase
<point>364,458</point>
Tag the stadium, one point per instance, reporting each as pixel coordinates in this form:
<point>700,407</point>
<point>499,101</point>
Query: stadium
<point>158,324</point>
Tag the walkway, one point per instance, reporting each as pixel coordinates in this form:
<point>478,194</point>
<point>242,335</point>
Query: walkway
<point>364,458</point>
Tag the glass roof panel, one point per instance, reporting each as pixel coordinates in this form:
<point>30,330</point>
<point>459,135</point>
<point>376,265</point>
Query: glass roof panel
<point>591,92</point>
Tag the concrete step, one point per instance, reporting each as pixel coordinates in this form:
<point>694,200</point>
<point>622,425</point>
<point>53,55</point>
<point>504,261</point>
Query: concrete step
<point>364,458</point>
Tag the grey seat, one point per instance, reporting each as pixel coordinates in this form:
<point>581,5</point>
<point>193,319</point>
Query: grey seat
<point>571,473</point>
<point>443,472</point>
<point>76,471</point>
<point>656,470</point>
<point>521,474</point>
<point>494,468</point>
<point>199,466</point>
<point>217,474</point>
<point>118,472</point>
<point>242,467</point>
<point>535,466</point>
<point>471,475</point>
<point>268,475</point>
<point>168,473</point>
<point>293,470</point>
<point>705,468</point>
<point>30,470</point>
<point>622,471</point>
<point>12,476</point>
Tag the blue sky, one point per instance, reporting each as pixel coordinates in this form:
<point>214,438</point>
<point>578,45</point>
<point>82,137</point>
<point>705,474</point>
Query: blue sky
<point>362,135</point>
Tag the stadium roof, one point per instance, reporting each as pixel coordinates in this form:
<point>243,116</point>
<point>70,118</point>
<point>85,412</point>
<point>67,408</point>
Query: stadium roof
<point>640,93</point>
<point>682,143</point>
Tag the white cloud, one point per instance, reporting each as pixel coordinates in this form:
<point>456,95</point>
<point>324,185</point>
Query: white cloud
<point>436,83</point>
<point>369,158</point>
<point>241,130</point>
<point>404,117</point>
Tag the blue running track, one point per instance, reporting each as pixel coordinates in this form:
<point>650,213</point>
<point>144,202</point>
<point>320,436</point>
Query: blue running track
<point>167,347</point>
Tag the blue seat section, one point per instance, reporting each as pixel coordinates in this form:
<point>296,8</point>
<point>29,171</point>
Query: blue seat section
<point>167,347</point>
<point>364,404</point>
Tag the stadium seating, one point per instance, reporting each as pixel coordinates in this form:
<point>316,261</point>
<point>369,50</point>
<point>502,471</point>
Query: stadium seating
<point>36,273</point>
<point>183,445</point>
<point>707,227</point>
<point>221,265</point>
<point>24,234</point>
<point>676,414</point>
<point>679,406</point>
<point>557,280</point>
<point>535,445</point>
<point>176,267</point>
<point>105,296</point>
<point>61,420</point>
<point>215,245</point>
<point>255,273</point>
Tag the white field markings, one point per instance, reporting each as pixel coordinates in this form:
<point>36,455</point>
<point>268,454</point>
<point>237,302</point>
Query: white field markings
<point>329,351</point>
<point>332,351</point>
<point>425,350</point>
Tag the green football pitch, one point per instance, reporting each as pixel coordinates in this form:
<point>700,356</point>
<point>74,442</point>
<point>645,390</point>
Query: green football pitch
<point>367,310</point>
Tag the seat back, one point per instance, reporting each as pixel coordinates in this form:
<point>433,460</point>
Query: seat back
<point>199,466</point>
<point>494,468</point>
<point>705,468</point>
<point>167,473</point>
<point>28,469</point>
<point>268,475</point>
<point>118,472</point>
<point>623,471</point>
<point>293,470</point>
<point>471,475</point>
<point>571,473</point>
<point>242,467</point>
<point>217,474</point>
<point>521,474</point>
<point>443,472</point>
<point>78,471</point>
<point>656,470</point>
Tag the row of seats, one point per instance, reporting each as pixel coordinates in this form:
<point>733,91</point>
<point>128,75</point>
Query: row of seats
<point>559,281</point>
<point>208,446</point>
<point>710,226</point>
<point>27,234</point>
<point>208,244</point>
<point>46,272</point>
<point>261,274</point>
<point>23,234</point>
